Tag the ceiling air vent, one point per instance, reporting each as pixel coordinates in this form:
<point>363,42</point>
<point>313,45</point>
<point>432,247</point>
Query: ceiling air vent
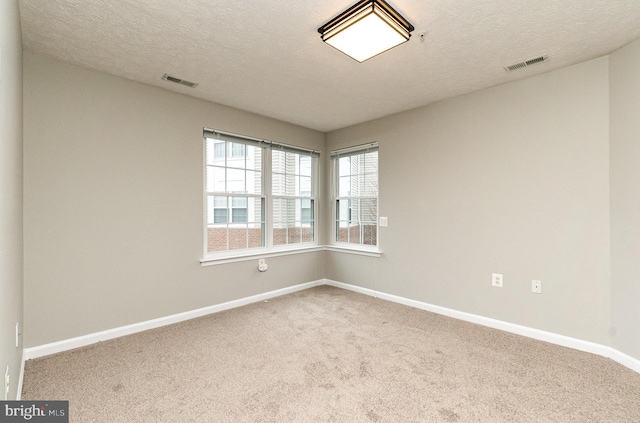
<point>526,63</point>
<point>170,78</point>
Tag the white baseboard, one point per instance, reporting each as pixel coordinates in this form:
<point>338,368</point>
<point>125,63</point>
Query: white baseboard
<point>21,377</point>
<point>553,338</point>
<point>81,341</point>
<point>565,341</point>
<point>624,359</point>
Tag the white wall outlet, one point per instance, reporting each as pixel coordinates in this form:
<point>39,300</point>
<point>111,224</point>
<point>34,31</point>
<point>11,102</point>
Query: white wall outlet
<point>7,384</point>
<point>384,221</point>
<point>262,265</point>
<point>496,280</point>
<point>536,287</point>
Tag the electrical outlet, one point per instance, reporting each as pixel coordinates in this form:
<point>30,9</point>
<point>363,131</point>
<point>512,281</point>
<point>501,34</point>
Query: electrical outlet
<point>536,287</point>
<point>7,384</point>
<point>262,265</point>
<point>496,280</point>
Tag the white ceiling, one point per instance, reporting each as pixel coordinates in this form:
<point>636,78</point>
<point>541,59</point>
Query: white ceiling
<point>266,56</point>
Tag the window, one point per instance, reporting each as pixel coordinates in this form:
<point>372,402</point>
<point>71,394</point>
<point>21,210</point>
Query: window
<point>219,149</point>
<point>237,150</point>
<point>219,209</point>
<point>259,195</point>
<point>306,211</point>
<point>235,196</point>
<point>355,172</point>
<point>293,204</point>
<point>239,211</point>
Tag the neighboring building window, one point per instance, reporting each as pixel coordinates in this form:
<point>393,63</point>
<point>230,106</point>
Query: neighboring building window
<point>220,210</point>
<point>237,150</point>
<point>306,212</point>
<point>239,210</point>
<point>234,150</point>
<point>219,149</point>
<point>244,177</point>
<point>356,195</point>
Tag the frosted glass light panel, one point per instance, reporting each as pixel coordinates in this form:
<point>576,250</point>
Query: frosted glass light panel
<point>357,199</point>
<point>293,198</point>
<point>235,200</point>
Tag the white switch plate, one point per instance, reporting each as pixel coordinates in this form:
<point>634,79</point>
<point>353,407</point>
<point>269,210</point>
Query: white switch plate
<point>536,287</point>
<point>384,221</point>
<point>496,280</point>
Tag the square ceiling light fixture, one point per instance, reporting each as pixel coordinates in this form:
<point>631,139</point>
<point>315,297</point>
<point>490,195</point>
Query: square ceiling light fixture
<point>366,29</point>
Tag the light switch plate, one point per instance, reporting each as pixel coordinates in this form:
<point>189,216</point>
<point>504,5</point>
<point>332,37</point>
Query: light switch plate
<point>536,287</point>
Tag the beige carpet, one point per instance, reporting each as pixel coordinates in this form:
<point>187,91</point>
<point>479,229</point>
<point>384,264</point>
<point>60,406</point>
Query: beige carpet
<point>330,355</point>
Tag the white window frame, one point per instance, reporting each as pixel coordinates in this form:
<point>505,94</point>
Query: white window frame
<point>300,197</point>
<point>335,197</point>
<point>225,256</point>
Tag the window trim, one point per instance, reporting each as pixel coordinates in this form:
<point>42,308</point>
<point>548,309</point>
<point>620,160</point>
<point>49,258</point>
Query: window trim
<point>214,261</point>
<point>268,249</point>
<point>334,244</point>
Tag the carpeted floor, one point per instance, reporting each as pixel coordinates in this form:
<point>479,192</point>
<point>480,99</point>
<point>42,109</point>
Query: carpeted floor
<point>330,355</point>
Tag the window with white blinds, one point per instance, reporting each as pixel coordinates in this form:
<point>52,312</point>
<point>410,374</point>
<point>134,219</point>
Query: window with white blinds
<point>260,196</point>
<point>355,196</point>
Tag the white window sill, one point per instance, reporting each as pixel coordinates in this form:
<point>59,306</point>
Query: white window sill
<point>353,250</point>
<point>253,255</point>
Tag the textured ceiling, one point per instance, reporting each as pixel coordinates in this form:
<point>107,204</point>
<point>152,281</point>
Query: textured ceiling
<point>267,57</point>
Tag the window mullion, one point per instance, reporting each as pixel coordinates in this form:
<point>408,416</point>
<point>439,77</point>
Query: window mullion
<point>314,194</point>
<point>335,182</point>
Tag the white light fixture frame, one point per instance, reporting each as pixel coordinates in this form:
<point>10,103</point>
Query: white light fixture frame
<point>366,29</point>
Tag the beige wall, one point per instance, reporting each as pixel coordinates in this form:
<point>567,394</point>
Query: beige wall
<point>513,179</point>
<point>11,275</point>
<point>113,203</point>
<point>625,199</point>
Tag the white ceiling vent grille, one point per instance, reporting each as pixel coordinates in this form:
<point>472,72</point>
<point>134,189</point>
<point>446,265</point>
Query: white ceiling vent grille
<point>170,78</point>
<point>526,63</point>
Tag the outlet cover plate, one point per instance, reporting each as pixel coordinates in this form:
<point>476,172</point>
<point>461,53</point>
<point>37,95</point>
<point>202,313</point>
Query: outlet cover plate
<point>496,280</point>
<point>536,287</point>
